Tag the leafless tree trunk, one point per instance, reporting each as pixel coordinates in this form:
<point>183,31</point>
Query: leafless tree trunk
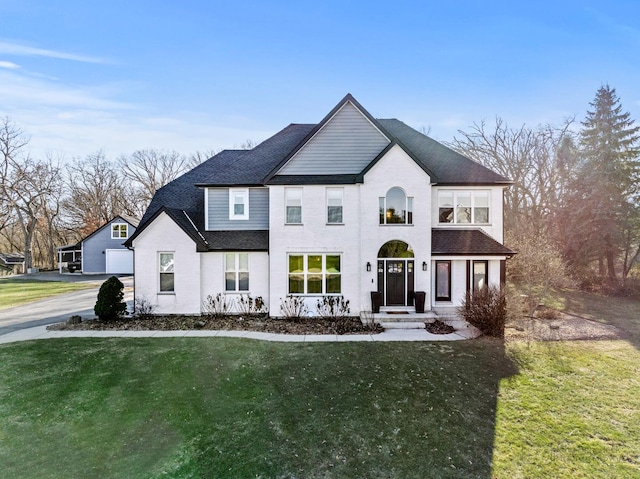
<point>26,184</point>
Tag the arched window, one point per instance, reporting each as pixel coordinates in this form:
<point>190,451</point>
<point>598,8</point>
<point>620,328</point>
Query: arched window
<point>396,207</point>
<point>395,249</point>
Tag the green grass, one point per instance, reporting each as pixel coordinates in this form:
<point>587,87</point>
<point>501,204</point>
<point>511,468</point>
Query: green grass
<point>14,292</point>
<point>572,411</point>
<point>233,408</point>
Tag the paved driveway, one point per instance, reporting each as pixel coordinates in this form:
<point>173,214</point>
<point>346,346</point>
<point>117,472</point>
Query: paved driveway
<point>58,308</point>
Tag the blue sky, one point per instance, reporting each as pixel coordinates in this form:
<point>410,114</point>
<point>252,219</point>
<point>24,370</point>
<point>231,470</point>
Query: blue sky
<point>189,75</point>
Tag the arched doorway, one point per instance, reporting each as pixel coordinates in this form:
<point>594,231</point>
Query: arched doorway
<point>395,273</point>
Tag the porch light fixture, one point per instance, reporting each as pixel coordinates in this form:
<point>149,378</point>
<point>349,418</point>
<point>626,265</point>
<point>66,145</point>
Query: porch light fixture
<point>368,267</point>
<point>424,266</point>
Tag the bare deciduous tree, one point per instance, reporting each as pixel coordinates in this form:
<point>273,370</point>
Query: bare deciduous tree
<point>527,156</point>
<point>149,170</point>
<point>26,184</point>
<point>96,194</point>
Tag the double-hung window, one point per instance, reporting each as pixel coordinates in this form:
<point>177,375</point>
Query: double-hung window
<point>236,272</point>
<point>334,205</point>
<point>315,274</point>
<point>396,207</point>
<point>166,263</point>
<point>239,204</point>
<point>119,231</point>
<point>293,205</point>
<point>463,207</point>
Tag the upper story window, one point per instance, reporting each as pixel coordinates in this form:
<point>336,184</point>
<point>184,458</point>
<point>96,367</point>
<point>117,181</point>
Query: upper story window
<point>239,204</point>
<point>334,205</point>
<point>119,231</point>
<point>293,205</point>
<point>463,207</point>
<point>396,207</point>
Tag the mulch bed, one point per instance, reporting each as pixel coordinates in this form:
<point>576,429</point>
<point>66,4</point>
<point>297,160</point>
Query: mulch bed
<point>438,327</point>
<point>350,325</point>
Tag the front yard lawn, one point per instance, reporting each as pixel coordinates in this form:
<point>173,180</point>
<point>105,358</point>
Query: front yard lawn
<point>19,291</point>
<point>238,408</point>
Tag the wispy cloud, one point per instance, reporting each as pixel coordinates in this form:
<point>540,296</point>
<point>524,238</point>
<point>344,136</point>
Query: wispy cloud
<point>13,48</point>
<point>9,65</point>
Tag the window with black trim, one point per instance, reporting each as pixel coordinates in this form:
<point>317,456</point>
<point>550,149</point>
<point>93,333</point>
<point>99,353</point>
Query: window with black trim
<point>443,280</point>
<point>480,275</point>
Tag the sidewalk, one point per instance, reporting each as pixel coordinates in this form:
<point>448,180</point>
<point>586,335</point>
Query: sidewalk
<point>390,334</point>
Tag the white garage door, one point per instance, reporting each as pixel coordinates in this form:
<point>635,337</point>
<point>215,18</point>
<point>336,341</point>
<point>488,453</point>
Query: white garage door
<point>119,261</point>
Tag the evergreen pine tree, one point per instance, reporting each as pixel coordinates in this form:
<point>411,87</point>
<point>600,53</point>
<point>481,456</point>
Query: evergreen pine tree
<point>606,184</point>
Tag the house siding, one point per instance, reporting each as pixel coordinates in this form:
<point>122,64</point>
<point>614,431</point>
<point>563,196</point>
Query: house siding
<point>94,248</point>
<point>346,144</point>
<point>218,210</point>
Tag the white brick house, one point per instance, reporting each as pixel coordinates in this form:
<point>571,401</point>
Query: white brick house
<point>349,206</point>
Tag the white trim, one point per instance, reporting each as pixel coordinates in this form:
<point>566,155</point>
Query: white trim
<point>118,224</point>
<point>206,209</point>
<point>244,194</point>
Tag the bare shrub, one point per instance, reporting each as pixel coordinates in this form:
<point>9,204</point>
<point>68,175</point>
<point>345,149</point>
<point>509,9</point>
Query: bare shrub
<point>143,307</point>
<point>293,307</point>
<point>486,310</point>
<point>332,307</point>
<point>245,304</point>
<point>216,306</point>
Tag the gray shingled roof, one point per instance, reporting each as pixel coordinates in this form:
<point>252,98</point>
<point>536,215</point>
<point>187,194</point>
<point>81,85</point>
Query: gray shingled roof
<point>450,242</point>
<point>183,198</point>
<point>448,166</point>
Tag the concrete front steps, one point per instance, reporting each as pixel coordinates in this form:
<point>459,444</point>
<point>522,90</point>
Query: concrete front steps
<point>403,317</point>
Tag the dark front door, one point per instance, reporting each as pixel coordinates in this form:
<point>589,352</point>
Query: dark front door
<point>396,290</point>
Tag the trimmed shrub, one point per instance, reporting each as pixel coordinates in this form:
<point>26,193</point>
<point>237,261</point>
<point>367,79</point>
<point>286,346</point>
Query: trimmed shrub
<point>486,310</point>
<point>110,305</point>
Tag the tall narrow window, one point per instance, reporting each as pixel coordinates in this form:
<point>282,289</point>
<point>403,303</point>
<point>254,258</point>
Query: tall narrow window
<point>396,207</point>
<point>166,272</point>
<point>480,275</point>
<point>239,204</point>
<point>334,205</point>
<point>443,280</point>
<point>236,272</point>
<point>293,200</point>
<point>119,231</point>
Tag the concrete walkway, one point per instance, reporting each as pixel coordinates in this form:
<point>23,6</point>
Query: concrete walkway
<point>463,331</point>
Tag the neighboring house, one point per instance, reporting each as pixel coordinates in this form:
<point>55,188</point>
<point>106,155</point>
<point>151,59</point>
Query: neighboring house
<point>103,251</point>
<point>11,263</point>
<point>344,207</point>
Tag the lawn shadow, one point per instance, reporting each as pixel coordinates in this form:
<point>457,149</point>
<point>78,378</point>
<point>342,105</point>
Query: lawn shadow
<point>393,410</point>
